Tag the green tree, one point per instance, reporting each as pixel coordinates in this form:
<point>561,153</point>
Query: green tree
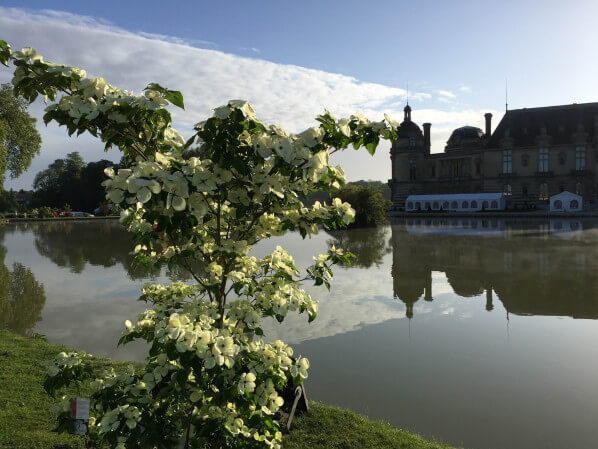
<point>8,201</point>
<point>19,140</point>
<point>369,204</point>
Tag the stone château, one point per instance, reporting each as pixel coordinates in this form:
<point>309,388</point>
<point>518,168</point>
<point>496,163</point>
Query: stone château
<point>532,154</point>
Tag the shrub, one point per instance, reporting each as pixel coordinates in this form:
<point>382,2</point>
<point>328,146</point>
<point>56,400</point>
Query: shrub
<point>206,380</point>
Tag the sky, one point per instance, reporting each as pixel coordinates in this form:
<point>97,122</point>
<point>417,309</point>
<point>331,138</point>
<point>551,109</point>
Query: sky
<point>293,60</point>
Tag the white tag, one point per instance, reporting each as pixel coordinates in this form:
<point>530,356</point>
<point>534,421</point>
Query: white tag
<point>82,409</point>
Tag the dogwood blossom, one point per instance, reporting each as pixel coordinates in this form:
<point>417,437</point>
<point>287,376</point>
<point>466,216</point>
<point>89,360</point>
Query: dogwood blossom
<point>201,204</point>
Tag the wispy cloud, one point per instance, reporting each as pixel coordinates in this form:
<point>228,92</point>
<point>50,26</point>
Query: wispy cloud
<point>280,93</point>
<point>465,88</point>
<point>446,93</point>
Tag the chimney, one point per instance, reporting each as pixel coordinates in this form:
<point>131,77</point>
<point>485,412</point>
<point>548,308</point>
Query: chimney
<point>427,134</point>
<point>488,117</point>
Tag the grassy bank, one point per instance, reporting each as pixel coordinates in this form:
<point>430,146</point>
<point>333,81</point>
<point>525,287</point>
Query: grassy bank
<point>25,422</point>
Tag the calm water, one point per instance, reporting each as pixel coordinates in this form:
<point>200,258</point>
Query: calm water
<point>478,333</point>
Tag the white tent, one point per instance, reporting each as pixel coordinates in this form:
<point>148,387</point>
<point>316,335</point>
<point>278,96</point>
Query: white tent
<point>566,202</point>
<point>460,202</point>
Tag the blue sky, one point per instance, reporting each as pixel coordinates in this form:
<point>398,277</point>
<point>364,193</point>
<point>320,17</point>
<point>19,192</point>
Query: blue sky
<point>297,58</point>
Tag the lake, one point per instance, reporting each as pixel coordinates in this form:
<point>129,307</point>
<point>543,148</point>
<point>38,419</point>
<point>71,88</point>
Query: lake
<point>479,333</point>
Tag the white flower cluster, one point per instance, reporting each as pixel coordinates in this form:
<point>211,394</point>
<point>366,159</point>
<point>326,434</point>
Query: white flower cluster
<point>64,360</point>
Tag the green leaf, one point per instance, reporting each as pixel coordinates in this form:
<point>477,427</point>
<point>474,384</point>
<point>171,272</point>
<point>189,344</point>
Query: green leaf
<point>4,52</point>
<point>174,96</point>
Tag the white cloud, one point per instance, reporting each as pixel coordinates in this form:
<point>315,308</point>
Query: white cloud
<point>465,88</point>
<point>446,94</point>
<point>280,93</point>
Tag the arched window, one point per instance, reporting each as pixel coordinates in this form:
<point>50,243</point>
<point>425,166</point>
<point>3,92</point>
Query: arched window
<point>494,204</point>
<point>435,205</point>
<point>409,205</point>
<point>418,205</point>
<point>525,160</point>
<point>464,205</point>
<point>454,205</point>
<point>445,205</point>
<point>427,205</point>
<point>574,204</point>
<point>558,204</point>
<point>485,205</point>
<point>412,168</point>
<point>474,204</point>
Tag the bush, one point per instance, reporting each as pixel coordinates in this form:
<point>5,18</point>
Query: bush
<point>369,204</point>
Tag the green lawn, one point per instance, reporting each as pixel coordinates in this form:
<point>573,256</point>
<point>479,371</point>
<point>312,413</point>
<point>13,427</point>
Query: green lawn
<point>25,422</point>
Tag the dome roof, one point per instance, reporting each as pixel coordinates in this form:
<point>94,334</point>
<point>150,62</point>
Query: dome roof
<point>465,137</point>
<point>467,132</point>
<point>408,128</point>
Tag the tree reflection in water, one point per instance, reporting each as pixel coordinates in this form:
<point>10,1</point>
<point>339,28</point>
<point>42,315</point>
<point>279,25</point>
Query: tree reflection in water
<point>68,245</point>
<point>369,245</point>
<point>22,298</point>
<point>533,268</point>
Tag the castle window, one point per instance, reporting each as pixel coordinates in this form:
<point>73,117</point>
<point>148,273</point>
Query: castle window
<point>485,206</point>
<point>445,205</point>
<point>454,205</point>
<point>579,189</point>
<point>507,190</point>
<point>543,195</point>
<point>465,205</point>
<point>433,171</point>
<point>562,158</point>
<point>573,204</point>
<point>435,205</point>
<point>525,160</point>
<point>507,161</point>
<point>543,160</point>
<point>494,204</point>
<point>580,158</point>
<point>474,204</point>
<point>411,141</point>
<point>409,205</point>
<point>478,167</point>
<point>412,170</point>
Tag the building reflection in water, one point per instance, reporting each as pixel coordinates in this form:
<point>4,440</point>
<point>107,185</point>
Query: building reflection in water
<point>532,267</point>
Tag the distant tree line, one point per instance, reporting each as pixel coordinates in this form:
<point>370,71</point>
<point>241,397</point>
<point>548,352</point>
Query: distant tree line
<point>67,184</point>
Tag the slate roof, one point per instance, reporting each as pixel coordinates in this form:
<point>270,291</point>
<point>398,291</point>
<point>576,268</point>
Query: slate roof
<point>560,121</point>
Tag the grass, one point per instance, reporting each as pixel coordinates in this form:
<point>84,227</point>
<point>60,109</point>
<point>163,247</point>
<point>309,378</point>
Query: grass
<point>25,422</point>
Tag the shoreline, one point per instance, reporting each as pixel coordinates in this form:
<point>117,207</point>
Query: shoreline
<point>539,215</point>
<point>32,219</point>
<point>26,423</point>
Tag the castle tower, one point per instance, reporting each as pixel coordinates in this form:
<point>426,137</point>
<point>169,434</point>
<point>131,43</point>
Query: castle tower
<point>408,154</point>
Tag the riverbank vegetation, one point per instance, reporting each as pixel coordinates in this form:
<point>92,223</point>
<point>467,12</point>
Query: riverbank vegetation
<point>25,422</point>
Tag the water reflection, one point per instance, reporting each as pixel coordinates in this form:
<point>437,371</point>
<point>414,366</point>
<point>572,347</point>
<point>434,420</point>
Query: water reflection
<point>67,246</point>
<point>22,298</point>
<point>530,272</point>
<point>368,245</point>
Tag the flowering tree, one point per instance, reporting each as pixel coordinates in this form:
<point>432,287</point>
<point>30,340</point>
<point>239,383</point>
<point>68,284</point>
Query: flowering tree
<point>202,204</point>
